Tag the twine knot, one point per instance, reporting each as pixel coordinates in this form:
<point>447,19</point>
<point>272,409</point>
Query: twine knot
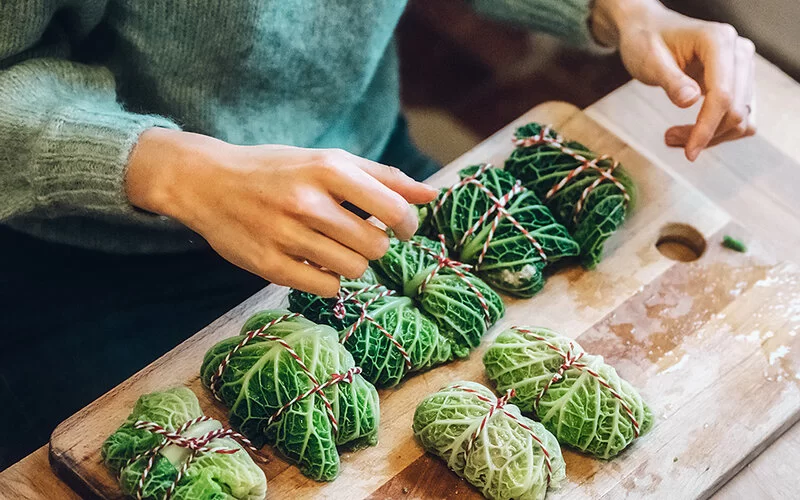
<point>196,446</point>
<point>442,262</point>
<point>338,308</point>
<point>458,268</point>
<point>347,377</point>
<point>570,359</point>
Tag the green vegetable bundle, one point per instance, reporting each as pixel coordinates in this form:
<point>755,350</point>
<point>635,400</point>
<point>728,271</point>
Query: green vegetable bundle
<point>215,474</point>
<point>288,382</point>
<point>576,395</point>
<point>590,194</point>
<point>487,442</point>
<point>386,334</point>
<point>500,228</point>
<point>460,303</point>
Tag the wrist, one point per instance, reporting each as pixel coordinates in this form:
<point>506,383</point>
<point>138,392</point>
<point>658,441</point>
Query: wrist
<point>158,176</point>
<point>609,18</point>
<point>150,175</point>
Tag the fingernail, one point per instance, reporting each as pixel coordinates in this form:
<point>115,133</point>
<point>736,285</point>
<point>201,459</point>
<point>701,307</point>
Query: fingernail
<point>687,93</point>
<point>671,138</point>
<point>412,221</point>
<point>692,154</point>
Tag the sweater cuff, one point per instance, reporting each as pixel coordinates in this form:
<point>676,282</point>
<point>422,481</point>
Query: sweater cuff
<point>566,19</point>
<point>83,157</point>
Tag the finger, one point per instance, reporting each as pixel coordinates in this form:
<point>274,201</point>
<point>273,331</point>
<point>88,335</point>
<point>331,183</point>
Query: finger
<point>742,91</point>
<point>681,89</point>
<point>267,261</point>
<point>393,178</point>
<point>306,244</point>
<point>732,135</point>
<point>718,56</point>
<point>678,136</point>
<point>350,230</point>
<point>372,196</point>
<point>286,271</point>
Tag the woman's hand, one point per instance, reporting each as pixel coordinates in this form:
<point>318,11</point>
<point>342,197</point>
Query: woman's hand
<point>275,210</point>
<point>688,58</point>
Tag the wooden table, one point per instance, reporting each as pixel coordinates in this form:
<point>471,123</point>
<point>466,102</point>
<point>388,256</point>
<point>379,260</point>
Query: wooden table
<point>757,187</point>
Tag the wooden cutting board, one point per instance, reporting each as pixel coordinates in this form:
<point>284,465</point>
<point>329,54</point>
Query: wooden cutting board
<point>711,344</point>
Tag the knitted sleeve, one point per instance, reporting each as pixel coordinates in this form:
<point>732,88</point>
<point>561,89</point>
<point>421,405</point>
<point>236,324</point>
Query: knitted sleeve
<point>566,19</point>
<point>64,137</point>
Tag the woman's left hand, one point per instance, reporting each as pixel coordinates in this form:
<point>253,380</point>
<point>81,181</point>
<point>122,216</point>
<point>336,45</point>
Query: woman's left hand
<point>688,58</point>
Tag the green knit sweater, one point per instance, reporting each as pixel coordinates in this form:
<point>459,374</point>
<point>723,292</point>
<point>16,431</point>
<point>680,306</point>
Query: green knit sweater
<point>79,81</point>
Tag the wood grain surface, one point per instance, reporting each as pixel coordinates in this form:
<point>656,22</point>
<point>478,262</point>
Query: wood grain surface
<point>711,344</point>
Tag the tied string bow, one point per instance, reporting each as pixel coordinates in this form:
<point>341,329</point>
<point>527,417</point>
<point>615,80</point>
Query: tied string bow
<point>497,405</point>
<point>497,208</point>
<point>571,360</point>
<point>606,174</point>
<point>364,316</point>
<point>195,445</point>
<point>458,268</point>
<point>316,387</point>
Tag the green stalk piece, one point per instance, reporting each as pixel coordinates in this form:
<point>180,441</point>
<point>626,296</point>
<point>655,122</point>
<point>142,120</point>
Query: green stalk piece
<point>732,243</point>
<point>489,443</point>
<point>461,305</point>
<point>589,194</point>
<point>415,343</point>
<point>509,245</point>
<point>209,476</point>
<point>575,395</point>
<point>294,386</point>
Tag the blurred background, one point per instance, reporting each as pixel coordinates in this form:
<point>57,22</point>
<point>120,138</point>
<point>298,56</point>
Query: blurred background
<point>464,76</point>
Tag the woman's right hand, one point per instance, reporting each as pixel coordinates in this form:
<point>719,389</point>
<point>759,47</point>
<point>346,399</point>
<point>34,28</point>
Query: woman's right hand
<point>275,210</point>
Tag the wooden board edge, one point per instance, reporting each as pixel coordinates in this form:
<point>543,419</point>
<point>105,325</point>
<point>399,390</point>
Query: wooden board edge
<point>768,441</point>
<point>58,463</point>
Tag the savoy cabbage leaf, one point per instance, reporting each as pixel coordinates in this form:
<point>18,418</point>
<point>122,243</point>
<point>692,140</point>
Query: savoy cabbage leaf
<point>210,476</point>
<point>383,362</point>
<point>502,460</point>
<point>522,239</point>
<point>577,407</point>
<point>263,377</point>
<point>454,299</point>
<point>541,167</point>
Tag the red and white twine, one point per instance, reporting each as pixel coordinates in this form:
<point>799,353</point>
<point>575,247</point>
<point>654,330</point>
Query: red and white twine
<point>605,173</point>
<point>498,405</point>
<point>316,388</point>
<point>364,316</point>
<point>195,445</point>
<point>497,208</point>
<point>571,360</point>
<point>458,268</point>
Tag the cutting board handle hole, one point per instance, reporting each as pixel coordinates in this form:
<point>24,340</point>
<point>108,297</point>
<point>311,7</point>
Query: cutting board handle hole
<point>681,242</point>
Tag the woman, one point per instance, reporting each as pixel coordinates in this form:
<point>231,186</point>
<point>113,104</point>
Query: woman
<point>135,137</point>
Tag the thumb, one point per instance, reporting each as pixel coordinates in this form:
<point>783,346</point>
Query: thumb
<point>393,178</point>
<point>681,89</point>
<point>658,67</point>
